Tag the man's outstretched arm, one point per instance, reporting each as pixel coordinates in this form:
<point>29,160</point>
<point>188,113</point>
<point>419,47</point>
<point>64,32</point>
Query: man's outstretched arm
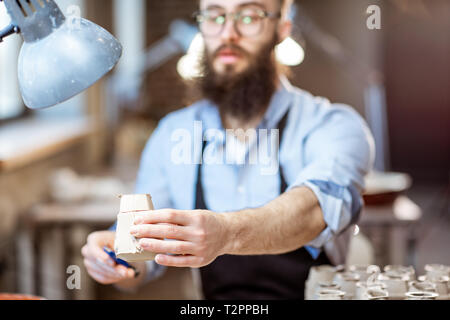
<point>287,223</point>
<point>199,236</point>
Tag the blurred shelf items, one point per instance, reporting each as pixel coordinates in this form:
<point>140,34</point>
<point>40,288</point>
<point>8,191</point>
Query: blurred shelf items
<point>370,282</point>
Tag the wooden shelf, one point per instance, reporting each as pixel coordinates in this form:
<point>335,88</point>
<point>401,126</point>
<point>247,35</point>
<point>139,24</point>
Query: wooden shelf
<point>31,140</point>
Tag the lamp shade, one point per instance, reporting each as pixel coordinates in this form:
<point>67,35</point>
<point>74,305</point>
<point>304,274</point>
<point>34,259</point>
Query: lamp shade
<point>60,57</point>
<point>65,63</point>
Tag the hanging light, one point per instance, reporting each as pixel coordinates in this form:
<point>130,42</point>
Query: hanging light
<point>189,65</point>
<point>60,57</point>
<point>289,52</point>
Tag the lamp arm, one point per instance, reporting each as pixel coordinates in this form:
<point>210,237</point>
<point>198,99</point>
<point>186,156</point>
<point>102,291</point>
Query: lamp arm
<point>9,30</point>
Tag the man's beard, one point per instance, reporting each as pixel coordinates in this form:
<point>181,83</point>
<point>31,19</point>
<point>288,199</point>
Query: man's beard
<point>246,94</point>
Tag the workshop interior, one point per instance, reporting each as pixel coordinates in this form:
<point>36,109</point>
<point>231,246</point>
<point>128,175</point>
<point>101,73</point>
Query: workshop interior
<point>83,85</point>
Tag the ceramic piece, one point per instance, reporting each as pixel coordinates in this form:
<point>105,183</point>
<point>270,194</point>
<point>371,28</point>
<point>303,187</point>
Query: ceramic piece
<point>364,271</point>
<point>441,284</point>
<point>435,271</point>
<point>399,269</point>
<point>317,274</point>
<point>347,282</point>
<point>321,286</point>
<point>126,246</point>
<point>396,284</point>
<point>323,273</point>
<point>426,286</point>
<point>421,295</point>
<point>363,287</point>
<point>377,294</point>
<point>331,295</point>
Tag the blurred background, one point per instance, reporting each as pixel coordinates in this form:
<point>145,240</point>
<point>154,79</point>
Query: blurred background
<point>62,169</point>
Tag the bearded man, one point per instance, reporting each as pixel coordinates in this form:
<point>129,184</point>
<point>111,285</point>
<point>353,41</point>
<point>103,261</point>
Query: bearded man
<point>253,230</point>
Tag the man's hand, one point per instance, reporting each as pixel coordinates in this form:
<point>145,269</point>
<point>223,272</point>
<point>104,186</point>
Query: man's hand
<point>99,265</point>
<point>198,236</point>
<point>283,225</point>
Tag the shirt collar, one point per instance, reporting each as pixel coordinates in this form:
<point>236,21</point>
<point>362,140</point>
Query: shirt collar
<point>279,104</point>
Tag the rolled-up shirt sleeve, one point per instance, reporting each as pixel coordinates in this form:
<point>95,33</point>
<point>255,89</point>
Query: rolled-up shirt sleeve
<point>338,152</point>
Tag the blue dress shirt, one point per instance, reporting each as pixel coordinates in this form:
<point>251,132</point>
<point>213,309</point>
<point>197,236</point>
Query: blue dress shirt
<point>326,147</point>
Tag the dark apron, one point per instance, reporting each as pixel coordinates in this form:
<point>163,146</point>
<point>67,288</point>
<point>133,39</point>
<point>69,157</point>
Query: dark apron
<point>256,277</point>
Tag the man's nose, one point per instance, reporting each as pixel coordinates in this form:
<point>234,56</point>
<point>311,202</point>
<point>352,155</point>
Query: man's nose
<point>229,31</point>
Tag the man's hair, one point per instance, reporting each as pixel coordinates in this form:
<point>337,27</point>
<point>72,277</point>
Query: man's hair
<point>285,5</point>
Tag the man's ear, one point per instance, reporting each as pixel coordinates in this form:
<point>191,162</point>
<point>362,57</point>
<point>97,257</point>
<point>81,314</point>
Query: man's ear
<point>284,30</point>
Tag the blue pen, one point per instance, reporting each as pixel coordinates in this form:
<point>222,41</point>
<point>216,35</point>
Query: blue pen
<point>112,254</point>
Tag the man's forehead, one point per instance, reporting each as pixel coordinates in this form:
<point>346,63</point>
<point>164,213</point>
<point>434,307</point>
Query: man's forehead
<point>236,4</point>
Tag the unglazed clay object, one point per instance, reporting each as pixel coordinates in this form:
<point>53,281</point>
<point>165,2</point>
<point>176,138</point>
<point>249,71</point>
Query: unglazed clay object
<point>399,269</point>
<point>135,203</point>
<point>331,295</point>
<point>347,281</point>
<point>317,274</point>
<point>435,271</point>
<point>323,273</point>
<point>321,286</point>
<point>362,289</point>
<point>426,286</point>
<point>441,285</point>
<point>126,245</point>
<point>377,294</point>
<point>364,270</point>
<point>396,284</point>
<point>421,295</point>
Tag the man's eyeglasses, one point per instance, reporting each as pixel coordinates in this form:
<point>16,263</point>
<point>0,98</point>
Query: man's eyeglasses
<point>247,22</point>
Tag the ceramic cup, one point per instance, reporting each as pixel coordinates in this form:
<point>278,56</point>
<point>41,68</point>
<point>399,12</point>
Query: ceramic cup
<point>403,270</point>
<point>347,281</point>
<point>318,274</point>
<point>421,295</point>
<point>441,285</point>
<point>361,270</point>
<point>376,294</point>
<point>435,271</point>
<point>363,287</point>
<point>331,295</point>
<point>323,273</point>
<point>321,286</point>
<point>396,284</point>
<point>425,286</point>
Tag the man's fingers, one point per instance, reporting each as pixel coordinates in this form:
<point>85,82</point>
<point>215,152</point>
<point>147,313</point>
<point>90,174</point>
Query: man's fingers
<point>99,269</point>
<point>118,272</point>
<point>101,278</point>
<point>124,271</point>
<point>162,231</point>
<point>93,250</point>
<point>84,251</point>
<point>163,246</point>
<point>178,261</point>
<point>162,216</point>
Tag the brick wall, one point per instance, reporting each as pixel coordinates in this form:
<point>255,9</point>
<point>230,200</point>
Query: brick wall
<point>163,89</point>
